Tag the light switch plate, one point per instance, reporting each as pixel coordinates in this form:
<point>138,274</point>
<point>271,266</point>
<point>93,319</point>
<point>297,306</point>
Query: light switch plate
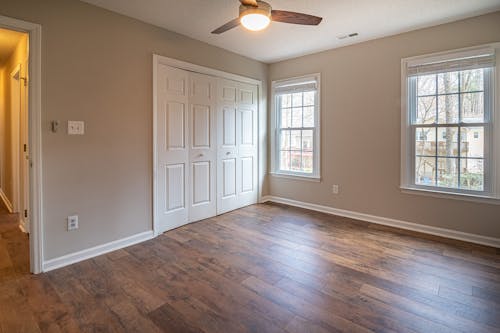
<point>76,127</point>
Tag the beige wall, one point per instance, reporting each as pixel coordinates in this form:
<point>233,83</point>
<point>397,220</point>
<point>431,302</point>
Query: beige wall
<point>360,128</point>
<point>97,67</point>
<point>7,119</point>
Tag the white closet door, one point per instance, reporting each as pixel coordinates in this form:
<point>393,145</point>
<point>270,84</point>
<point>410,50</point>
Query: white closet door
<point>237,149</point>
<point>203,146</point>
<point>172,148</point>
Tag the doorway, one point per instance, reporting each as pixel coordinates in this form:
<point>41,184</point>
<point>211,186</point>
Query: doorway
<point>20,145</point>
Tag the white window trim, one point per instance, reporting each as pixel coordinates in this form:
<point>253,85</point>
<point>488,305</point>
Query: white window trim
<point>407,184</point>
<point>316,175</point>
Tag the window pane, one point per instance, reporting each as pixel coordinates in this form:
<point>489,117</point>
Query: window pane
<point>448,109</point>
<point>425,171</point>
<point>284,160</point>
<point>447,172</point>
<point>286,118</point>
<point>447,141</point>
<point>295,141</point>
<point>426,110</point>
<point>309,98</point>
<point>297,117</point>
<point>295,160</point>
<point>297,99</point>
<point>473,107</point>
<point>307,140</point>
<point>286,101</point>
<point>285,140</point>
<point>472,175</point>
<point>448,83</point>
<point>425,141</point>
<point>309,116</point>
<point>426,85</point>
<point>307,162</point>
<point>472,142</point>
<point>472,80</point>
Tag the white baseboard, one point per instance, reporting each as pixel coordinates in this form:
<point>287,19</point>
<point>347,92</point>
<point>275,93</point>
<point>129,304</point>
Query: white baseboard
<point>95,251</point>
<point>23,225</point>
<point>448,233</point>
<point>6,201</point>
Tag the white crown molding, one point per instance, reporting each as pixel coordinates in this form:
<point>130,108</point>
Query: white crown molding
<point>95,251</point>
<point>447,233</point>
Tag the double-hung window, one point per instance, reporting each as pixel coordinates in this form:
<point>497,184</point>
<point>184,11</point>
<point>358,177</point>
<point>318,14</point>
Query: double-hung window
<point>296,127</point>
<point>449,130</point>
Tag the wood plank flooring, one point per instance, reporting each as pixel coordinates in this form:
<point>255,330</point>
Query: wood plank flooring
<point>267,268</point>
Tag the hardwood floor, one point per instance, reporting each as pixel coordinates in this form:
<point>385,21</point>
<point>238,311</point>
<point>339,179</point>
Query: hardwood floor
<point>267,268</point>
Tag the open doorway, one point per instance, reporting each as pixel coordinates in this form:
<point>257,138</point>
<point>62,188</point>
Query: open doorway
<point>14,153</point>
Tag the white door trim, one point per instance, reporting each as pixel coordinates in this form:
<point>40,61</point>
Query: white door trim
<point>261,118</point>
<point>15,137</point>
<point>35,135</point>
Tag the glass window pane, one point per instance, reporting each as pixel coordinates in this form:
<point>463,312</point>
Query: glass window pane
<point>426,110</point>
<point>284,160</point>
<point>472,174</point>
<point>473,107</point>
<point>286,101</point>
<point>447,141</point>
<point>426,85</point>
<point>472,142</point>
<point>309,98</point>
<point>448,83</point>
<point>425,141</point>
<point>295,141</point>
<point>285,140</point>
<point>309,116</point>
<point>448,109</point>
<point>295,160</point>
<point>297,117</point>
<point>448,172</point>
<point>425,171</point>
<point>307,140</point>
<point>297,99</point>
<point>472,80</point>
<point>307,162</point>
<point>286,118</point>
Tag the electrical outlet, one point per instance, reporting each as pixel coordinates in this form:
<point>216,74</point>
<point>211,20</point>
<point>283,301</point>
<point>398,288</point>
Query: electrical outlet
<point>72,222</point>
<point>76,127</point>
<point>335,189</point>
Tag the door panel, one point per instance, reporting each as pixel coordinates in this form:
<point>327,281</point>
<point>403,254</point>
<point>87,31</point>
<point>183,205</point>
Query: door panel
<point>172,148</point>
<point>237,158</point>
<point>202,155</point>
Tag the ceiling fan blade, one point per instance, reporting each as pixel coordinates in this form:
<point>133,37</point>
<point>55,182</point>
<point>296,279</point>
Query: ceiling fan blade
<point>249,3</point>
<point>295,18</point>
<point>228,26</point>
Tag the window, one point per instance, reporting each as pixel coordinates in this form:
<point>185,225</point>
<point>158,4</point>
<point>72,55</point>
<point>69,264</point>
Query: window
<point>448,129</point>
<point>296,127</point>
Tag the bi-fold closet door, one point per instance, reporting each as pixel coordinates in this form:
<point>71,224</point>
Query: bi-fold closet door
<point>206,146</point>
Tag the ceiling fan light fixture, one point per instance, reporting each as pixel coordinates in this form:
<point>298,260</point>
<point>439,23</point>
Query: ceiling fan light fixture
<point>255,18</point>
<point>255,22</point>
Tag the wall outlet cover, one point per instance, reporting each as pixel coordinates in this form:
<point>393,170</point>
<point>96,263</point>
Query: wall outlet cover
<point>76,127</point>
<point>72,222</point>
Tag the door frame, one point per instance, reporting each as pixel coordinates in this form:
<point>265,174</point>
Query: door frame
<point>15,139</point>
<point>261,119</point>
<point>34,135</point>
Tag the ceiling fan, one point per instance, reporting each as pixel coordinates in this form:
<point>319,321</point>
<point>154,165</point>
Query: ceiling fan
<point>256,15</point>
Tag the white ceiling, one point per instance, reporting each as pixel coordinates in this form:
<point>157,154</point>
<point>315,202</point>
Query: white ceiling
<point>370,18</point>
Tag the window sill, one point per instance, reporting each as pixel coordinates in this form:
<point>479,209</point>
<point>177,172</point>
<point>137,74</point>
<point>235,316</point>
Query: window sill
<point>295,177</point>
<point>450,195</point>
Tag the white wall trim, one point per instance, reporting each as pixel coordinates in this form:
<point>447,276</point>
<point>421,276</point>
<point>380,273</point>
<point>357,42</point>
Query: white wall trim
<point>95,251</point>
<point>35,135</point>
<point>447,233</point>
<point>23,225</point>
<point>261,119</point>
<point>6,201</point>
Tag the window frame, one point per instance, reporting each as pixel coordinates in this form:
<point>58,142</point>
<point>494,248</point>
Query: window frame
<point>275,129</point>
<point>491,124</point>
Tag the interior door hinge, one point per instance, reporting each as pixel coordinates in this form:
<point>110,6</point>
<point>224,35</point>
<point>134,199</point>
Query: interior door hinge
<point>25,213</point>
<point>25,147</point>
